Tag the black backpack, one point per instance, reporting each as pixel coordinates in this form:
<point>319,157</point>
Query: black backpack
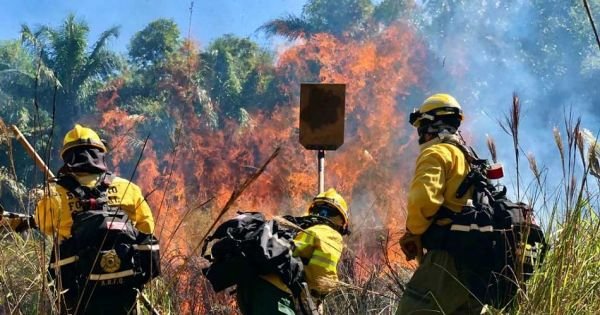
<point>105,249</point>
<point>494,241</point>
<point>249,245</point>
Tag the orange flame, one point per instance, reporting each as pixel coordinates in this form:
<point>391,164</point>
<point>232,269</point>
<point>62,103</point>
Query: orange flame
<point>370,169</point>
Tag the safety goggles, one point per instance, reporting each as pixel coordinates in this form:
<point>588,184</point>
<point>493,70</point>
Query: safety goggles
<point>324,210</point>
<point>416,115</point>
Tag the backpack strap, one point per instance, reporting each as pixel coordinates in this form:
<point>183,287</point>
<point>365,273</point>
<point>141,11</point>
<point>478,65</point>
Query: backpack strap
<point>477,175</point>
<point>468,151</point>
<point>90,197</point>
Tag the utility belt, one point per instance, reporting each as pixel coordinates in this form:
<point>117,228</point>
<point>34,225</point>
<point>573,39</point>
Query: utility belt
<point>436,237</point>
<point>473,232</point>
<point>127,265</point>
<point>468,235</point>
<point>487,253</point>
<point>471,245</point>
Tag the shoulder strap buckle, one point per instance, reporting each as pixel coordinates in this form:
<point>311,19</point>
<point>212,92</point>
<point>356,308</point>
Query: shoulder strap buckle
<point>90,198</point>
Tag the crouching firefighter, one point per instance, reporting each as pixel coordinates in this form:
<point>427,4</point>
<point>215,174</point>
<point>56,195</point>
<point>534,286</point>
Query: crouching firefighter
<point>301,267</point>
<point>474,236</point>
<point>104,250</point>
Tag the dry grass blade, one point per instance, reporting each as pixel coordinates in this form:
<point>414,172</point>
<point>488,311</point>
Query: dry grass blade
<point>511,127</point>
<point>560,146</point>
<point>593,150</point>
<point>184,217</point>
<point>594,163</point>
<point>148,305</point>
<point>491,144</point>
<point>577,139</point>
<point>580,145</point>
<point>534,167</point>
<point>515,114</point>
<point>572,187</point>
<point>392,273</point>
<point>4,132</point>
<point>589,15</point>
<point>355,287</point>
<point>283,221</point>
<point>234,196</point>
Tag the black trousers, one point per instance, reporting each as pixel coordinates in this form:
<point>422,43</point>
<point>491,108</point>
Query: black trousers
<point>100,300</point>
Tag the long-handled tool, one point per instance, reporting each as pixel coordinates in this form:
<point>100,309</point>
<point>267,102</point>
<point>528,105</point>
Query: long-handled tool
<point>31,151</point>
<point>20,222</point>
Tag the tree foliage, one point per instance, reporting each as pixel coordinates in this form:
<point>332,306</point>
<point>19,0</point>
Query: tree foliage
<point>64,50</point>
<point>154,43</point>
<point>337,17</point>
<point>237,74</point>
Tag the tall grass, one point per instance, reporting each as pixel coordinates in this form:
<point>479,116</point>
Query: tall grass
<point>21,275</point>
<point>568,282</point>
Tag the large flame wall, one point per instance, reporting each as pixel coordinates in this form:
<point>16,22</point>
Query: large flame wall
<point>370,170</point>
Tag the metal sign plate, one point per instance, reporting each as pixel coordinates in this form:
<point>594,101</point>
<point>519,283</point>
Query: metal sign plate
<point>322,112</point>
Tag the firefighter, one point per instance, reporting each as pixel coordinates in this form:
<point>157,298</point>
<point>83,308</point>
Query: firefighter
<point>319,247</point>
<point>439,283</point>
<point>83,154</point>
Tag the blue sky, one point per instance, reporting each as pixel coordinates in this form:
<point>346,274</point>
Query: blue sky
<point>210,19</point>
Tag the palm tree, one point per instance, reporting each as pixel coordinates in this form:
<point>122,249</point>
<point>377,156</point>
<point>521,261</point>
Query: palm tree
<point>78,70</point>
<point>337,17</point>
<point>19,71</point>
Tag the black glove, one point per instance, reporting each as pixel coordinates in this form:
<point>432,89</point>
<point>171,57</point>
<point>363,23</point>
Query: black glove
<point>411,246</point>
<point>25,224</point>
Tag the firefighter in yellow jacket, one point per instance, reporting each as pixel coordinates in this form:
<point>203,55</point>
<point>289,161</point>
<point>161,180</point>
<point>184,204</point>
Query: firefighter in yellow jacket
<point>320,248</point>
<point>438,284</point>
<point>83,154</point>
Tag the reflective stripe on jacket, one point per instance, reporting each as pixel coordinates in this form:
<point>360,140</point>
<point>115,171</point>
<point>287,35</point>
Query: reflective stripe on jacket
<point>440,169</point>
<point>53,212</point>
<point>320,248</point>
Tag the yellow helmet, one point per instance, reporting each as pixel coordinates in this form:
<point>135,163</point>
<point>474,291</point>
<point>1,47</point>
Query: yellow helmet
<point>81,136</point>
<point>332,199</point>
<point>435,107</point>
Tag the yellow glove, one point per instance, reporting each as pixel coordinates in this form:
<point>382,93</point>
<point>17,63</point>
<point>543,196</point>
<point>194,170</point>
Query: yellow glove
<point>411,246</point>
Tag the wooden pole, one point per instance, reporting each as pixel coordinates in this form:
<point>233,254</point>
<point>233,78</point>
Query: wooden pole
<point>31,151</point>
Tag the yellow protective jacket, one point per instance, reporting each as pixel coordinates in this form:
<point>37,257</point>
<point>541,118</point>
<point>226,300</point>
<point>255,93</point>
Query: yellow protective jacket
<point>320,248</point>
<point>53,212</point>
<point>440,169</point>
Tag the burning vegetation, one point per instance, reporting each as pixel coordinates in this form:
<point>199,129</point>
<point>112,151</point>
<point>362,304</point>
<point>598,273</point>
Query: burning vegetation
<point>191,123</point>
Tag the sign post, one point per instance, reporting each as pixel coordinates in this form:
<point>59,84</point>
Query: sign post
<point>322,114</point>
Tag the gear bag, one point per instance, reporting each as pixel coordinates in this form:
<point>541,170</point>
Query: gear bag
<point>105,248</point>
<point>249,245</point>
<point>495,242</point>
